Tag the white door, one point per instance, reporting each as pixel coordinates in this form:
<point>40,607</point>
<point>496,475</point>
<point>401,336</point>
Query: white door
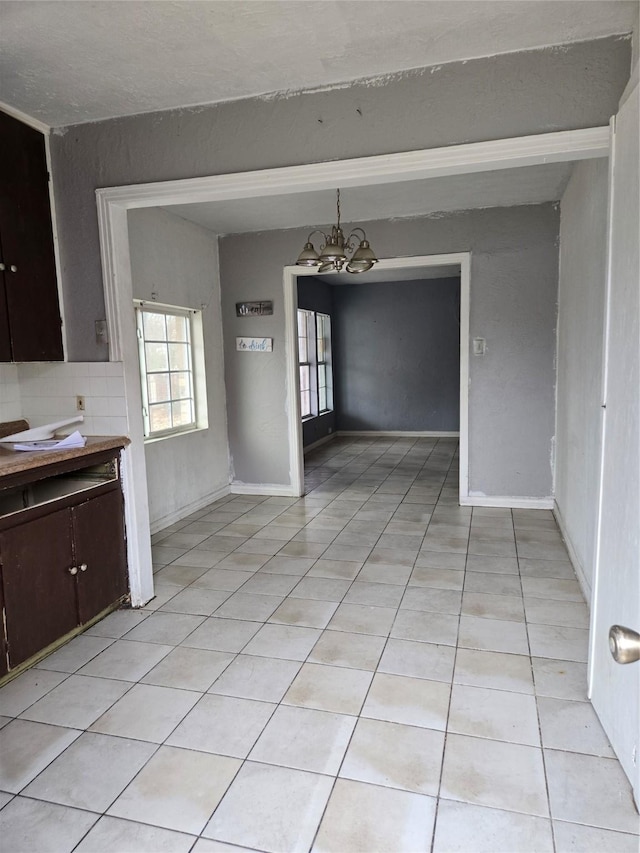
<point>615,688</point>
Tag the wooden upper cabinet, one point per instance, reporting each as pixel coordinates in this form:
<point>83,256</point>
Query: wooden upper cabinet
<point>30,323</point>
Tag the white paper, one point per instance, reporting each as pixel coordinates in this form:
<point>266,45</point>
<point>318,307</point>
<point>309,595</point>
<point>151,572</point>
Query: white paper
<point>70,441</point>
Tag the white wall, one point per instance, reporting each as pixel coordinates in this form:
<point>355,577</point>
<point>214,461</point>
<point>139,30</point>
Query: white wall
<point>583,241</point>
<point>178,262</point>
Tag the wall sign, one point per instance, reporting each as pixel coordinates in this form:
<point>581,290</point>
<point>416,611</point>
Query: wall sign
<point>254,344</point>
<point>254,309</point>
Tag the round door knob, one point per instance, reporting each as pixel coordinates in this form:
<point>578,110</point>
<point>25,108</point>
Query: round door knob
<point>73,570</point>
<point>2,267</point>
<point>624,644</point>
<point>83,567</point>
<point>13,268</point>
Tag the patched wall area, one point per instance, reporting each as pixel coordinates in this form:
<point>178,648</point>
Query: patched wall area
<point>498,97</point>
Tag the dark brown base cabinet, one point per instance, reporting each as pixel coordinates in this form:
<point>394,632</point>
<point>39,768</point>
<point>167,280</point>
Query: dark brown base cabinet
<point>62,557</point>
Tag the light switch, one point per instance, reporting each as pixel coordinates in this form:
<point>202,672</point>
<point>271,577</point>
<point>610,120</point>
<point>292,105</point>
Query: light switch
<point>479,346</point>
<point>102,332</point>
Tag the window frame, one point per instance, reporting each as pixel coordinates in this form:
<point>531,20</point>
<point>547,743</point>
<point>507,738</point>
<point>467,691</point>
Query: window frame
<point>189,314</point>
<point>325,362</point>
<point>313,322</point>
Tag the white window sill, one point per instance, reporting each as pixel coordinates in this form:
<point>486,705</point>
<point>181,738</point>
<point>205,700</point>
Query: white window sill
<point>152,439</point>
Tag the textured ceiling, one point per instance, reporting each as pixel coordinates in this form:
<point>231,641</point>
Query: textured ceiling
<point>69,62</point>
<point>502,188</point>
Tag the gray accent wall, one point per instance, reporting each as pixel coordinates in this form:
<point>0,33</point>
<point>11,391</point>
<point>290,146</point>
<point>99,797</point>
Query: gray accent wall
<point>510,95</point>
<point>397,355</point>
<point>583,256</point>
<point>514,288</point>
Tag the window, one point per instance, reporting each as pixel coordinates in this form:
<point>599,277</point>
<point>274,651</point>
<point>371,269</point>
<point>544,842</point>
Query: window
<point>314,356</point>
<point>305,323</point>
<point>165,335</point>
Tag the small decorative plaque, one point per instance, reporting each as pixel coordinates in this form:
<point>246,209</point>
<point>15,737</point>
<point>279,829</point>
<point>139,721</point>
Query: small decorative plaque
<point>254,309</point>
<point>254,344</point>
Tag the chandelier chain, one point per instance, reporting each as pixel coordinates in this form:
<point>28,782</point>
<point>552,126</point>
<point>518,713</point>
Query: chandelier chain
<point>333,251</point>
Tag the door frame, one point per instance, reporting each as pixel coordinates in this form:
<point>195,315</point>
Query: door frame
<point>114,203</point>
<point>291,275</point>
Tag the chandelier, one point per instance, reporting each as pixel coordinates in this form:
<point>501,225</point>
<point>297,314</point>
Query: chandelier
<point>333,251</point>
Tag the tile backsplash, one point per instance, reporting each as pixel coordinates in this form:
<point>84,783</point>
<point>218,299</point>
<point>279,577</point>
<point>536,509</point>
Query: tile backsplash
<point>47,392</point>
<point>10,405</point>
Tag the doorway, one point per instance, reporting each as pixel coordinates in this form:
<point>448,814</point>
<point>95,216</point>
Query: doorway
<point>390,269</point>
<point>378,171</point>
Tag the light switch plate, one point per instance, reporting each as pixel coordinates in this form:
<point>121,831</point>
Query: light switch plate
<point>102,332</point>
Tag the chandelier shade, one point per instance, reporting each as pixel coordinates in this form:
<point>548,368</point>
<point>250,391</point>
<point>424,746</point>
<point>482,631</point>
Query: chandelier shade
<point>334,248</point>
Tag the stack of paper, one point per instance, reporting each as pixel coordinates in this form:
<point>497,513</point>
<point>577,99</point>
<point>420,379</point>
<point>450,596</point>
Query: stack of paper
<point>67,443</point>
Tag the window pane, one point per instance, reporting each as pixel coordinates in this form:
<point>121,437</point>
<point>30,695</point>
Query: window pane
<point>320,332</point>
<point>177,328</point>
<point>180,386</point>
<point>322,399</point>
<point>182,413</point>
<point>179,356</point>
<point>302,324</point>
<point>154,326</point>
<point>303,350</point>
<point>304,377</point>
<point>156,355</point>
<point>305,403</point>
<point>158,387</point>
<point>160,417</point>
<point>322,376</point>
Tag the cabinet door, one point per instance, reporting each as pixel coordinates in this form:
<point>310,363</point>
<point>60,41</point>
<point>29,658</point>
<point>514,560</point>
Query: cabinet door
<point>3,642</point>
<point>39,591</point>
<point>5,336</point>
<point>98,529</point>
<point>31,292</point>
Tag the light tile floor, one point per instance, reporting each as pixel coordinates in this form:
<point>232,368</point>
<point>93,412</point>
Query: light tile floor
<point>370,668</point>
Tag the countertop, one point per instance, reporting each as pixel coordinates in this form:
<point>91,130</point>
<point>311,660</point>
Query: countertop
<point>17,461</point>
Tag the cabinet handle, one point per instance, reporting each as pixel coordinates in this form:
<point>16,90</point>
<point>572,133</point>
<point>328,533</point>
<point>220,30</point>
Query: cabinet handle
<point>83,567</point>
<point>73,570</point>
<point>2,267</point>
<point>13,268</point>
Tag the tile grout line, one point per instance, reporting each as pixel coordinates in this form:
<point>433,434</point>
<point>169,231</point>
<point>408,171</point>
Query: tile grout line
<point>535,696</point>
<point>446,726</point>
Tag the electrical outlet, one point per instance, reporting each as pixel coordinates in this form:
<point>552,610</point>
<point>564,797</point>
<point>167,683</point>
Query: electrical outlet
<point>80,403</point>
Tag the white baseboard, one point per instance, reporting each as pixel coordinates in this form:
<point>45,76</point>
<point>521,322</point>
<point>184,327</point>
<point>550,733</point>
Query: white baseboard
<point>325,440</point>
<point>396,433</point>
<point>507,502</point>
<point>273,489</point>
<point>194,506</point>
<point>578,568</point>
